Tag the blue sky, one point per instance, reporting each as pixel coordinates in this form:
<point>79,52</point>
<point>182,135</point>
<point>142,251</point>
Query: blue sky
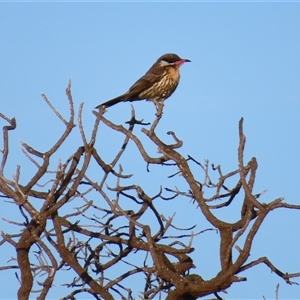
<point>245,63</point>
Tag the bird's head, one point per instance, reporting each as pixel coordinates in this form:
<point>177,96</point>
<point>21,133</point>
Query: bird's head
<point>171,59</point>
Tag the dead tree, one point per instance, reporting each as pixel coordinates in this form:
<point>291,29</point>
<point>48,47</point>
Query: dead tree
<point>72,224</point>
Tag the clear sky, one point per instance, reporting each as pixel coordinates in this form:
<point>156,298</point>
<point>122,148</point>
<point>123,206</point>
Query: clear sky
<point>245,63</point>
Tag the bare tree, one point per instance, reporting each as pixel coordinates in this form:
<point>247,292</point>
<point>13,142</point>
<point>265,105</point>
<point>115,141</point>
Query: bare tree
<point>76,231</point>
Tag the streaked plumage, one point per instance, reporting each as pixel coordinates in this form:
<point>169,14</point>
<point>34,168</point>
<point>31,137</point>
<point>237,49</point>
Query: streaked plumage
<point>157,84</point>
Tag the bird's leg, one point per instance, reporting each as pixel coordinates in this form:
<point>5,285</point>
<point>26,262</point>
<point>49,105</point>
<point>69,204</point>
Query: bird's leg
<point>159,105</point>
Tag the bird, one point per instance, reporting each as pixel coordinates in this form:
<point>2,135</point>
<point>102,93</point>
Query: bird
<point>158,84</point>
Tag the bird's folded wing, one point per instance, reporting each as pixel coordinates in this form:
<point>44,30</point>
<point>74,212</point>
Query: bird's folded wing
<point>145,82</point>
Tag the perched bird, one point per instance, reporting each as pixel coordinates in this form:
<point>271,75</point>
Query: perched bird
<point>157,84</point>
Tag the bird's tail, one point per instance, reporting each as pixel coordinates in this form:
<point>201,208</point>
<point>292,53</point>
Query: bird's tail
<point>112,102</point>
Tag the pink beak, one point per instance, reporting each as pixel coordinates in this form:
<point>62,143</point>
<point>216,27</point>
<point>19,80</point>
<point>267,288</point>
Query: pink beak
<point>182,61</point>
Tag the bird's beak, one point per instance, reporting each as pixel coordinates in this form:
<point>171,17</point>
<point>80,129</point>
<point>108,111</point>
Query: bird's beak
<point>182,61</point>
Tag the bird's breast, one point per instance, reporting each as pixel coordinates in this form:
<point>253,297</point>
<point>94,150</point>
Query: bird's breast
<point>164,87</point>
<point>173,73</point>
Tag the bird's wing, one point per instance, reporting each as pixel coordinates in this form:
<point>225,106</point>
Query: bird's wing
<point>145,82</point>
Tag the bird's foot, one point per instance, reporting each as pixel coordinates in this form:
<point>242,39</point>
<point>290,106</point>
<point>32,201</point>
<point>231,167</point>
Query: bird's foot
<point>159,105</point>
